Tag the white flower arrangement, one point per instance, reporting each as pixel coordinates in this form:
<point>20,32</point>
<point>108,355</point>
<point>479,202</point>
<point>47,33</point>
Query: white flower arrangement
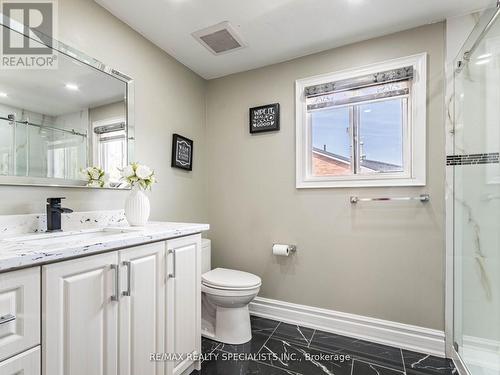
<point>95,176</point>
<point>136,174</point>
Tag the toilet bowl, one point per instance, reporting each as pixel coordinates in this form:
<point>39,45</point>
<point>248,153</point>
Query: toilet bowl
<point>226,294</point>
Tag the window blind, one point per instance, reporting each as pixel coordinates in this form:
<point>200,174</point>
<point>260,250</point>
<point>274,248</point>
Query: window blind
<point>109,128</point>
<point>388,76</point>
<point>359,95</point>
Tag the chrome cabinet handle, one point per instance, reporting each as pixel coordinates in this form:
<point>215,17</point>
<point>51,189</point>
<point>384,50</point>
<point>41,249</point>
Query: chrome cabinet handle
<point>7,318</point>
<point>172,275</point>
<point>129,271</point>
<point>116,295</point>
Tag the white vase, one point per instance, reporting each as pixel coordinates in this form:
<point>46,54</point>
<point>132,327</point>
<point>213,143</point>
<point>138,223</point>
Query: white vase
<point>137,208</point>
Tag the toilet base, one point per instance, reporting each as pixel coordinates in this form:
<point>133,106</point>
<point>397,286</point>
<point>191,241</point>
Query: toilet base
<point>229,325</point>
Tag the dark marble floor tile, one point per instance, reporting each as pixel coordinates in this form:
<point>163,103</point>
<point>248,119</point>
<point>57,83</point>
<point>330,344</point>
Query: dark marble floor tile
<point>208,346</point>
<point>293,333</point>
<point>384,355</point>
<point>230,366</point>
<point>303,360</point>
<point>263,325</point>
<point>424,364</point>
<point>364,368</point>
<point>285,349</point>
<point>251,347</point>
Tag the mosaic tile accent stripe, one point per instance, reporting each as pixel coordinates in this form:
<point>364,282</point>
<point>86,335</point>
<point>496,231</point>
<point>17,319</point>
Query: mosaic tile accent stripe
<point>468,159</point>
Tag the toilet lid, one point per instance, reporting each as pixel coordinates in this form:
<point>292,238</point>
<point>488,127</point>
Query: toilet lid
<point>225,278</point>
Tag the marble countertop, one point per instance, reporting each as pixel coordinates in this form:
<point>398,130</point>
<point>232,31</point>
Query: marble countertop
<point>22,250</point>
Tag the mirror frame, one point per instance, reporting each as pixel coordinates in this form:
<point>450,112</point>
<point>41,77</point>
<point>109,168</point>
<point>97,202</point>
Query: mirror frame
<point>81,57</point>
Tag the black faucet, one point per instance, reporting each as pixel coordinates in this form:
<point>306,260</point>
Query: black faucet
<point>54,211</point>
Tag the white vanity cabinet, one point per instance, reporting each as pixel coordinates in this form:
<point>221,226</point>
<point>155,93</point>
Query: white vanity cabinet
<point>183,302</point>
<point>142,309</point>
<point>19,311</point>
<point>80,316</point>
<point>20,322</point>
<point>26,363</point>
<point>107,314</point>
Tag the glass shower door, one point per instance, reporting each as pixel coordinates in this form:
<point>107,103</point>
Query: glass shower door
<point>477,203</point>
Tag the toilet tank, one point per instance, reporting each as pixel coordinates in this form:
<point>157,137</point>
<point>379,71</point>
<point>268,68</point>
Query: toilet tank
<point>205,255</point>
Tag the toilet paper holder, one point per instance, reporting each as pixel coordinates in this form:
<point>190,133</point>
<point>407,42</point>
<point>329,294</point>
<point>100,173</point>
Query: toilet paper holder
<point>291,248</point>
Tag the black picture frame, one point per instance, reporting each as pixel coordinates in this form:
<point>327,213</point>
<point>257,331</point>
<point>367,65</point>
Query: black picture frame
<point>265,118</point>
<point>182,152</point>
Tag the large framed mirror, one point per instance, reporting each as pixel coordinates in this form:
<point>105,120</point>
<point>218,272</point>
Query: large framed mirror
<point>57,122</point>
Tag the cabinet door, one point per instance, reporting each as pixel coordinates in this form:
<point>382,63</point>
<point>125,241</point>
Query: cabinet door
<point>142,309</point>
<point>27,363</point>
<point>19,311</point>
<point>80,316</point>
<point>183,301</point>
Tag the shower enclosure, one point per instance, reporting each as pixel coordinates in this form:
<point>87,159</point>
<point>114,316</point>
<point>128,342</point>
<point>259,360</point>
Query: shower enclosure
<point>474,339</point>
<point>34,145</point>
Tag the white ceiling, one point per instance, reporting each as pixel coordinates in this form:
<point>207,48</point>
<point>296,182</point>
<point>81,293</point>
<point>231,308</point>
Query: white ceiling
<point>275,30</point>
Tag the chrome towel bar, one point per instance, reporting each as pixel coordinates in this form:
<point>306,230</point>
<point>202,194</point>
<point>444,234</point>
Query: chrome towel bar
<point>422,198</point>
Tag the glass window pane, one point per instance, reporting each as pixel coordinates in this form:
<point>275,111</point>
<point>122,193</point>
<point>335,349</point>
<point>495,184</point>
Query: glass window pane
<point>381,136</point>
<point>331,142</point>
<point>112,149</point>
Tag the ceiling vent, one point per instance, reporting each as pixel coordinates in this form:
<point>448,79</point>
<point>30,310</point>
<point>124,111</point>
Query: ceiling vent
<point>219,39</point>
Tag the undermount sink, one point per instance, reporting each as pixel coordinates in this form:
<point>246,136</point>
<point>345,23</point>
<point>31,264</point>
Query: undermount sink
<point>68,237</point>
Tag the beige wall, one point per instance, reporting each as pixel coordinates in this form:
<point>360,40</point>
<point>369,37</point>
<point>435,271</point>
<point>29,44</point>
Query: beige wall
<point>168,98</point>
<point>383,260</point>
<point>108,111</point>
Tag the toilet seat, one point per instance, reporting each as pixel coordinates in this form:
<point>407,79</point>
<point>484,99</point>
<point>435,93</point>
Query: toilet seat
<point>229,292</point>
<point>226,279</point>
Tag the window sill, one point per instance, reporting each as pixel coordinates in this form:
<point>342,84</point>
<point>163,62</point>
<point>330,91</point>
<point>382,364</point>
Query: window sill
<point>390,182</point>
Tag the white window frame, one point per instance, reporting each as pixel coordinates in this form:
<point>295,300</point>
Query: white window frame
<point>415,138</point>
<point>96,160</point>
<point>96,155</point>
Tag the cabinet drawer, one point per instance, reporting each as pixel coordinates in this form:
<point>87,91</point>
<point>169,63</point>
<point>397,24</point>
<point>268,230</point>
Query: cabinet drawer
<point>20,310</point>
<point>27,363</point>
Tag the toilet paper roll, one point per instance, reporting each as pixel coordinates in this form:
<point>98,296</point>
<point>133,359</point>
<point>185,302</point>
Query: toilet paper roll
<point>281,250</point>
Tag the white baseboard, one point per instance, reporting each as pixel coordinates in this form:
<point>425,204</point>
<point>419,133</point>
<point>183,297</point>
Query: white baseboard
<point>386,332</point>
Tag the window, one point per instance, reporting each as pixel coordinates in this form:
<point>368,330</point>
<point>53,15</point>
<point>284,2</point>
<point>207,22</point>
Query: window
<point>363,127</point>
<point>111,148</point>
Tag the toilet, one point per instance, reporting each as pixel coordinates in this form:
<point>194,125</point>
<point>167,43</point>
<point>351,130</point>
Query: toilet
<point>225,297</point>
